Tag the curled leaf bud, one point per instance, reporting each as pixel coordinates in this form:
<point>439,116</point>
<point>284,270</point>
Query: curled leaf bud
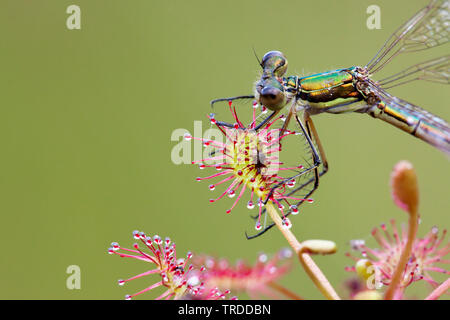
<point>368,295</point>
<point>319,247</point>
<point>405,190</point>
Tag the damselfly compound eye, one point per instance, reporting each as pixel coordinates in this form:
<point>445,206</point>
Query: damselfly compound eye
<point>274,62</point>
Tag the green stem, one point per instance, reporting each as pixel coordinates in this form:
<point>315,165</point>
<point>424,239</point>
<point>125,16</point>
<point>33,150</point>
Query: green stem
<point>306,261</point>
<point>285,291</point>
<point>398,273</point>
<point>439,291</point>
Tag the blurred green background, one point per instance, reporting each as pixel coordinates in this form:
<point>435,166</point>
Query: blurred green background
<point>87,116</point>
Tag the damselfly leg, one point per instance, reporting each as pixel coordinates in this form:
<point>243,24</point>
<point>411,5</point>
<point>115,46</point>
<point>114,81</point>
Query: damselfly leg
<point>307,180</point>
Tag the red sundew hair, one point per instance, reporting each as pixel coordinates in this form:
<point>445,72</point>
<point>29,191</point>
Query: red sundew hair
<point>250,160</point>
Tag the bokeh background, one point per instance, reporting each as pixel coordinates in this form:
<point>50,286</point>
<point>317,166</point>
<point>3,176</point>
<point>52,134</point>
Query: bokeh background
<point>87,116</point>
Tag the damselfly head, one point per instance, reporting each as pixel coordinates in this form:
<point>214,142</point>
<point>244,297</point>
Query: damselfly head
<point>274,63</point>
<point>270,93</point>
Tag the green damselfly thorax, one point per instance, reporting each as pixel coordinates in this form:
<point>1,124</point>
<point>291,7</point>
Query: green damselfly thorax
<point>353,90</point>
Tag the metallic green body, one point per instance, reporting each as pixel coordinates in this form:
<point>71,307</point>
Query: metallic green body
<point>337,91</point>
<point>331,91</point>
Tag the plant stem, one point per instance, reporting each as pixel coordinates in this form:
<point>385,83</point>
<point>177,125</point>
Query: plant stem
<point>439,291</point>
<point>286,292</point>
<point>398,273</point>
<point>306,261</point>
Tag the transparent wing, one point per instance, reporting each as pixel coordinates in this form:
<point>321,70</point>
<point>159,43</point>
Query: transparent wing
<point>436,70</point>
<point>428,28</point>
<point>411,109</point>
<point>424,125</point>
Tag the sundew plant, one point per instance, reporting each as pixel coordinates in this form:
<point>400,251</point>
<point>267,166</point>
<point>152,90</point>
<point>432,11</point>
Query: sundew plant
<point>263,155</point>
<point>225,150</point>
<point>252,162</point>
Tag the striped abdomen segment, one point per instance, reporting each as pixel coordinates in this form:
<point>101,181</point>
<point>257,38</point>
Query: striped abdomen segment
<point>327,90</point>
<point>409,118</point>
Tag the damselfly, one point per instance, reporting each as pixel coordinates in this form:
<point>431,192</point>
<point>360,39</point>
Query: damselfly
<point>352,89</point>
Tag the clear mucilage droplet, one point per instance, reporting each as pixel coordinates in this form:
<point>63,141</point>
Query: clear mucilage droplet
<point>294,209</point>
<point>286,223</point>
